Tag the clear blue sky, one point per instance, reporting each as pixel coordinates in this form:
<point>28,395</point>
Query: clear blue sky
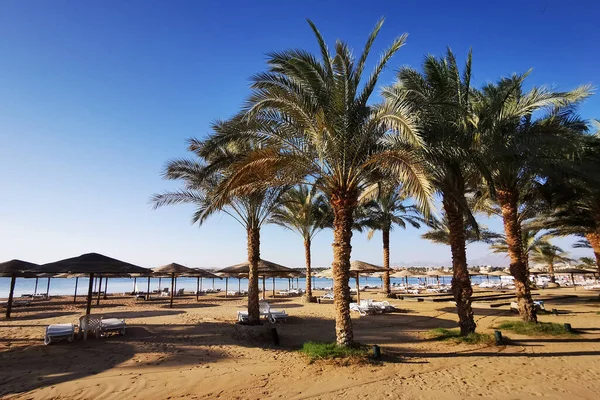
<point>96,96</point>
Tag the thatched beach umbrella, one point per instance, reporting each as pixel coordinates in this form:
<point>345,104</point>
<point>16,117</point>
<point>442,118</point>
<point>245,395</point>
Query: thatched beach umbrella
<point>265,268</point>
<point>16,269</point>
<point>93,264</point>
<point>358,267</point>
<point>572,272</point>
<point>402,274</point>
<point>201,274</point>
<point>173,270</point>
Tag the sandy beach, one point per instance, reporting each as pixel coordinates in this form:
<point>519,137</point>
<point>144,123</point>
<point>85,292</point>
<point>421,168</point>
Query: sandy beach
<point>195,350</point>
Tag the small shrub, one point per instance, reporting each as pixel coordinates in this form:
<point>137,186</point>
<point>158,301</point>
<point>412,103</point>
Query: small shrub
<point>535,329</point>
<point>327,351</point>
<point>453,335</point>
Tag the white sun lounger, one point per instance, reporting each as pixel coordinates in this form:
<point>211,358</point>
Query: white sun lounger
<point>56,332</point>
<point>265,310</point>
<point>112,325</point>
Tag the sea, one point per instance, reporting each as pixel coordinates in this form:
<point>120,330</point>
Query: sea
<point>66,286</point>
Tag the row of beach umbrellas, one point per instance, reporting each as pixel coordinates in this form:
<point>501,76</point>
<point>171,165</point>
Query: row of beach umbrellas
<point>98,266</point>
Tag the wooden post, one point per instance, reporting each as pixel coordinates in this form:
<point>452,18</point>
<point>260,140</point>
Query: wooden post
<point>213,286</point>
<point>36,282</point>
<point>99,290</point>
<point>573,280</point>
<point>289,284</point>
<point>263,291</point>
<point>48,289</point>
<point>273,286</point>
<point>89,296</point>
<point>239,285</point>
<point>159,282</point>
<point>13,279</point>
<point>105,287</point>
<point>200,283</point>
<point>148,290</point>
<point>75,295</point>
<point>197,288</point>
<point>226,285</point>
<point>172,288</point>
<point>134,291</point>
<point>357,289</point>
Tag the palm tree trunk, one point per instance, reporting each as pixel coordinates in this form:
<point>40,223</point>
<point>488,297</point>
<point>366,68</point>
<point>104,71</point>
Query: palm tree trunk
<point>551,272</point>
<point>461,283</point>
<point>343,208</point>
<point>518,269</point>
<point>594,239</point>
<point>386,261</point>
<point>253,258</point>
<point>307,259</point>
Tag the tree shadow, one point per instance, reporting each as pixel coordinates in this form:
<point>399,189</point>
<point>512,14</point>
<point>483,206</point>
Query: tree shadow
<point>42,315</point>
<point>482,311</point>
<point>190,305</point>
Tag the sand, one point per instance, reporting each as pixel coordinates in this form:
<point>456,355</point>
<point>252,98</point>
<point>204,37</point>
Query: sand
<point>195,351</point>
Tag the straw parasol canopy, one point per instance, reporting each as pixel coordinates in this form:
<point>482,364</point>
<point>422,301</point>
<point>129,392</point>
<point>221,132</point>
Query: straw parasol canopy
<point>357,267</point>
<point>402,274</point>
<point>173,270</point>
<point>572,272</point>
<point>438,272</point>
<point>498,273</point>
<point>265,268</point>
<point>93,264</point>
<point>16,269</point>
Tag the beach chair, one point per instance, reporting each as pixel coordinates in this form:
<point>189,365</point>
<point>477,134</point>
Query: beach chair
<point>179,292</point>
<point>90,324</point>
<point>382,306</point>
<point>56,332</point>
<point>272,315</point>
<point>112,325</point>
<point>362,310</point>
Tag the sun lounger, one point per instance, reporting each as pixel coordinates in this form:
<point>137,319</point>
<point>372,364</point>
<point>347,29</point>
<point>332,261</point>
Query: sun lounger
<point>538,304</point>
<point>16,303</point>
<point>56,332</point>
<point>266,311</point>
<point>380,306</point>
<point>179,292</point>
<point>112,325</point>
<point>362,310</point>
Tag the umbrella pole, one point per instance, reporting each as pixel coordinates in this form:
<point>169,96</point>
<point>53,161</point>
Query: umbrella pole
<point>159,284</point>
<point>197,288</point>
<point>357,289</point>
<point>239,285</point>
<point>573,280</point>
<point>289,284</point>
<point>213,286</point>
<point>35,290</point>
<point>99,290</point>
<point>263,291</point>
<point>172,288</point>
<point>88,307</point>
<point>148,290</point>
<point>200,283</point>
<point>13,279</point>
<point>75,295</point>
<point>48,288</point>
<point>273,287</point>
<point>105,287</point>
<point>226,286</point>
<point>134,282</point>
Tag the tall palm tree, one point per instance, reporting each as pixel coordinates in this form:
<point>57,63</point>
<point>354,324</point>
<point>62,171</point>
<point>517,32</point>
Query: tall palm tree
<point>202,177</point>
<point>531,242</point>
<point>577,198</point>
<point>387,210</point>
<point>519,150</point>
<point>440,97</point>
<point>550,256</point>
<point>322,130</point>
<point>305,211</point>
<point>440,233</point>
<point>587,262</point>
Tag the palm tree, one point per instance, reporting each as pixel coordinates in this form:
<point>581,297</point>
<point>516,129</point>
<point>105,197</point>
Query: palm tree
<point>202,177</point>
<point>531,242</point>
<point>440,97</point>
<point>440,233</point>
<point>587,262</point>
<point>550,256</point>
<point>520,149</point>
<point>387,210</point>
<point>322,130</point>
<point>576,198</point>
<point>305,211</point>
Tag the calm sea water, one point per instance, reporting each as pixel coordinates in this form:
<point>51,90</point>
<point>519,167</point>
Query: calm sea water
<point>66,286</point>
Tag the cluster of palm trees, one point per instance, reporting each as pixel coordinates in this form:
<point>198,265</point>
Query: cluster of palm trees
<point>312,149</point>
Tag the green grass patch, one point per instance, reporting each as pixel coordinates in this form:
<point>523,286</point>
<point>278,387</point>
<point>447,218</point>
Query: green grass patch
<point>535,329</point>
<point>328,351</point>
<point>453,335</point>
